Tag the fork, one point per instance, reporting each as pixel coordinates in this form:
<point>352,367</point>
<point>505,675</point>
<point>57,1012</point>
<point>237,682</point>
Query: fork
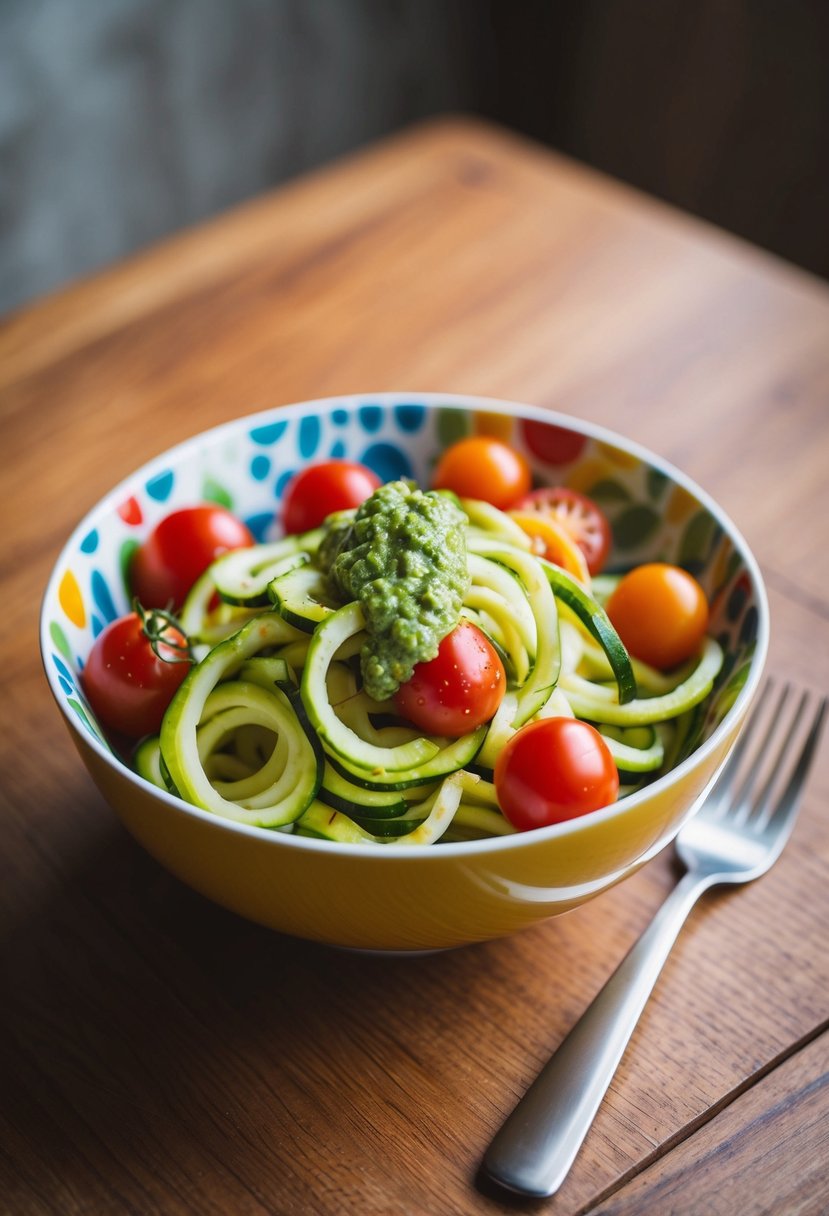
<point>737,833</point>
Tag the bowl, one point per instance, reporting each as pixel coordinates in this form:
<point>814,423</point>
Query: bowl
<point>397,898</point>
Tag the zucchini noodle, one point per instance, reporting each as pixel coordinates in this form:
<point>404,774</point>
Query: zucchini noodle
<point>273,728</point>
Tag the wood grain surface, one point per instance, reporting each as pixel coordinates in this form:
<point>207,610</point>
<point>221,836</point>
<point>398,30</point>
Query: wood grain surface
<point>162,1056</point>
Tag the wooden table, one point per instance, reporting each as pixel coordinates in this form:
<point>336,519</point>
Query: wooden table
<point>162,1056</point>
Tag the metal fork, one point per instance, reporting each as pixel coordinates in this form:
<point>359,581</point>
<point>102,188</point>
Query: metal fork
<point>736,835</point>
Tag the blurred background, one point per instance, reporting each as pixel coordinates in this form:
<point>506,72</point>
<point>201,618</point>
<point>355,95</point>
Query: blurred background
<point>122,121</point>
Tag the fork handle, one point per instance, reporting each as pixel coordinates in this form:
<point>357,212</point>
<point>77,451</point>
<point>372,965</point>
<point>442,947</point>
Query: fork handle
<point>537,1144</point>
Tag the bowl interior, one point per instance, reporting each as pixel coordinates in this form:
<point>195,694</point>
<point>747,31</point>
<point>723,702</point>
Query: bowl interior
<point>655,513</point>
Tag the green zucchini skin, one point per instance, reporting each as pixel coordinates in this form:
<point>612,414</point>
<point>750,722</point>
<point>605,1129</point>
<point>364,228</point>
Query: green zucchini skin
<point>356,800</point>
<point>244,575</point>
<point>300,596</point>
<point>322,822</point>
<point>457,755</point>
<point>649,710</point>
<point>146,760</point>
<point>430,819</point>
<point>598,624</point>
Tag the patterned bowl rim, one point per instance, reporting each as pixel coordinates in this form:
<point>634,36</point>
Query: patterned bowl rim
<point>432,400</point>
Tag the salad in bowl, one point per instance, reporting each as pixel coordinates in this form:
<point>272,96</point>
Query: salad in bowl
<point>489,649</point>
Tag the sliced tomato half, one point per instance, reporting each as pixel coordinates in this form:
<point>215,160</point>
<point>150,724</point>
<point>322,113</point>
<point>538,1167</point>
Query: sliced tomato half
<point>583,520</point>
<point>553,541</point>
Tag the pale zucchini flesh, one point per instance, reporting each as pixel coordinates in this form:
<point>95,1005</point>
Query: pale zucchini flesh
<point>587,702</point>
<point>210,689</point>
<point>336,736</point>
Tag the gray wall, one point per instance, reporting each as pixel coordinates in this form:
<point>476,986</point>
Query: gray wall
<point>124,120</point>
<point>121,120</point>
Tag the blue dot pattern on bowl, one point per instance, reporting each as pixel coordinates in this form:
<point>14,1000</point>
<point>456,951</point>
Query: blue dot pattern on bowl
<point>269,434</point>
<point>67,680</point>
<point>160,487</point>
<point>260,467</point>
<point>309,437</point>
<point>388,461</point>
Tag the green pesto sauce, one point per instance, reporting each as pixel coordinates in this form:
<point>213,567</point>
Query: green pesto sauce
<point>403,556</point>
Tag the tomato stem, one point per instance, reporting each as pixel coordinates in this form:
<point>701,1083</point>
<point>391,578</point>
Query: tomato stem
<point>155,624</point>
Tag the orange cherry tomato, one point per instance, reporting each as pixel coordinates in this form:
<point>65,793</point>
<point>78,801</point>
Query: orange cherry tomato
<point>485,468</point>
<point>661,614</point>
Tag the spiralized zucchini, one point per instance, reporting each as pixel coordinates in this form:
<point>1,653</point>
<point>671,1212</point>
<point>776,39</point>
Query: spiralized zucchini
<point>272,726</point>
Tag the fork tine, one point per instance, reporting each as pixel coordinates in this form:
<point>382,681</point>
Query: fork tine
<point>740,802</point>
<point>716,801</point>
<point>787,806</point>
<point>762,799</point>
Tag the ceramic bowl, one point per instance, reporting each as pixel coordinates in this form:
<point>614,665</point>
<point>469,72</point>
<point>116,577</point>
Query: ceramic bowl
<point>395,897</point>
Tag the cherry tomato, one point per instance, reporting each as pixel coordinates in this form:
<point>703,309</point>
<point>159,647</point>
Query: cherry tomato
<point>660,612</point>
<point>484,468</point>
<point>126,683</point>
<point>553,542</point>
<point>459,689</point>
<point>585,521</point>
<point>179,549</point>
<point>314,493</point>
<point>554,769</point>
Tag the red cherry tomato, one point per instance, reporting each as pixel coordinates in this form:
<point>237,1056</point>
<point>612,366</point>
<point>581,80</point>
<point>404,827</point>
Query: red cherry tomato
<point>314,493</point>
<point>583,519</point>
<point>484,468</point>
<point>660,612</point>
<point>459,689</point>
<point>179,549</point>
<point>554,769</point>
<point>126,683</point>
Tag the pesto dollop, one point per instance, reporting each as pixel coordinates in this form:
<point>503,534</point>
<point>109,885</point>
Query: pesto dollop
<point>403,556</point>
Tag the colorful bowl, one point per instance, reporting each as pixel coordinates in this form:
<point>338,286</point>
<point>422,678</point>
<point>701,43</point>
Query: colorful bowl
<point>395,897</point>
